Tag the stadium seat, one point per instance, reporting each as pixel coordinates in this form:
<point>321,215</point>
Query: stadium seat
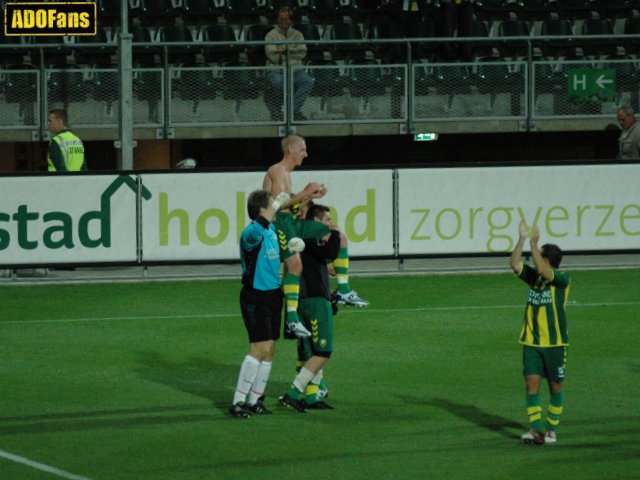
<point>256,33</point>
<point>66,84</point>
<point>560,28</point>
<point>346,31</point>
<point>240,82</point>
<point>513,28</point>
<point>12,56</point>
<point>108,12</point>
<point>197,84</point>
<point>493,77</point>
<point>246,11</point>
<point>627,78</point>
<point>147,87</point>
<point>427,50</point>
<point>227,52</point>
<point>160,12</point>
<point>480,28</point>
<point>310,32</point>
<point>602,27</point>
<point>615,8</point>
<point>326,11</point>
<point>202,11</point>
<point>574,9</point>
<point>489,10</point>
<point>101,56</point>
<point>183,54</point>
<point>632,27</point>
<point>21,87</point>
<point>52,55</point>
<point>385,28</point>
<point>329,81</point>
<point>143,54</point>
<point>533,10</point>
<point>104,88</point>
<point>452,80</point>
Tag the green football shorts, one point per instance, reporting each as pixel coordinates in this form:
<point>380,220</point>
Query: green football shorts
<point>547,362</point>
<point>317,317</point>
<point>288,226</point>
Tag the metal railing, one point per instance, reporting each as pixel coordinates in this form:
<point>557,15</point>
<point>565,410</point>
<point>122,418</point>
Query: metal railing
<point>352,83</point>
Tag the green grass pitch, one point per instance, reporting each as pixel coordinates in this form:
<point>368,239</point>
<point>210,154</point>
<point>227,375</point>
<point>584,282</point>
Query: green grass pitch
<point>132,381</point>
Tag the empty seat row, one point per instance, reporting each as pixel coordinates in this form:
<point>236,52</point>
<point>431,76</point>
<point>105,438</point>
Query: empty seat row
<point>202,10</point>
<point>541,9</point>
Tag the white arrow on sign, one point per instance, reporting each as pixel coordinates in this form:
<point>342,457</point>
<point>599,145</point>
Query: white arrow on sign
<point>601,81</point>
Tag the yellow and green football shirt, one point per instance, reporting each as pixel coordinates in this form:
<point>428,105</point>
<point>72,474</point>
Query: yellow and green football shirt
<point>545,318</point>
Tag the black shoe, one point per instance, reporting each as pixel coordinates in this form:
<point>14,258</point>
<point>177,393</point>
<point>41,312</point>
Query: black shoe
<point>239,410</point>
<point>297,405</point>
<point>259,409</point>
<point>320,405</point>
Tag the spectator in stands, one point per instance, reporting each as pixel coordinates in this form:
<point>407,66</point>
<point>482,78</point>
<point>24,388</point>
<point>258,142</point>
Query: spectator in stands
<point>66,151</point>
<point>457,15</point>
<point>629,141</point>
<point>413,14</point>
<point>279,55</point>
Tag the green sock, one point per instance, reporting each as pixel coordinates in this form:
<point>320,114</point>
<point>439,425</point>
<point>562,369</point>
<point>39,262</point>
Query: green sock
<point>323,385</point>
<point>556,406</point>
<point>291,287</point>
<point>341,264</point>
<point>293,392</point>
<point>534,412</point>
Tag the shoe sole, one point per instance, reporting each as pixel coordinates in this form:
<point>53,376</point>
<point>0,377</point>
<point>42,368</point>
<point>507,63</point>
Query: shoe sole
<point>285,403</point>
<point>531,441</point>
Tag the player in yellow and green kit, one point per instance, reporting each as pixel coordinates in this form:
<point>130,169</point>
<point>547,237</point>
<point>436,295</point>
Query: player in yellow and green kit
<point>544,332</point>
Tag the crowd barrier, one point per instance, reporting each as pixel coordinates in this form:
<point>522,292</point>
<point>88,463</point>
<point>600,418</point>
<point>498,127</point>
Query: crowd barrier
<point>148,218</point>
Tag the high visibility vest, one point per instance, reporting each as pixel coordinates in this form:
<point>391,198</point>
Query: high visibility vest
<point>72,151</point>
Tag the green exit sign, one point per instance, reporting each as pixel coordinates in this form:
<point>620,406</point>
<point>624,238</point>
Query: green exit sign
<point>592,85</point>
<point>425,137</point>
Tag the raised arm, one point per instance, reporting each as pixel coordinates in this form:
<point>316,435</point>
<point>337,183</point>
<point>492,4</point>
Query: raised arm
<point>515,260</point>
<point>542,266</point>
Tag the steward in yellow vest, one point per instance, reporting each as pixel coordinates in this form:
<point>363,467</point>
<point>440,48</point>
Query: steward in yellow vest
<point>66,151</point>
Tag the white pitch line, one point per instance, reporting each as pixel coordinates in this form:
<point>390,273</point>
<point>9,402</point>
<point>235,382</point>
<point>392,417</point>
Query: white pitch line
<point>351,310</point>
<point>40,466</point>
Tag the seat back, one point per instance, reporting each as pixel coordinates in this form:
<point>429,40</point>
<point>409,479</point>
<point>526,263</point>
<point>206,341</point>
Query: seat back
<point>240,81</point>
<point>601,46</point>
<point>184,54</point>
<point>513,28</point>
<point>328,78</point>
<point>310,31</point>
<point>255,33</point>
<point>560,27</point>
<point>227,52</point>
<point>21,84</point>
<point>366,78</point>
<point>346,31</point>
<point>142,54</point>
<point>66,84</point>
<point>97,55</point>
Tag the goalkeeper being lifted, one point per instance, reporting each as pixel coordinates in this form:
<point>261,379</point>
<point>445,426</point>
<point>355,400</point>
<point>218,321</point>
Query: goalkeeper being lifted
<point>277,180</point>
<point>544,332</point>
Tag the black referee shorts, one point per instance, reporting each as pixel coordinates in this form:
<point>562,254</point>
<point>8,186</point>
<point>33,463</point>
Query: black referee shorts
<point>262,313</point>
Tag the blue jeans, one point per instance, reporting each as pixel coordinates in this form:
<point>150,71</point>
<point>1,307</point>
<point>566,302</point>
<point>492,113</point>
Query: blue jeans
<point>302,85</point>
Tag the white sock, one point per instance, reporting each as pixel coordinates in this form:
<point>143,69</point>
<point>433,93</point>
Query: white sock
<point>260,383</point>
<point>246,378</point>
<point>317,378</point>
<point>303,378</point>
